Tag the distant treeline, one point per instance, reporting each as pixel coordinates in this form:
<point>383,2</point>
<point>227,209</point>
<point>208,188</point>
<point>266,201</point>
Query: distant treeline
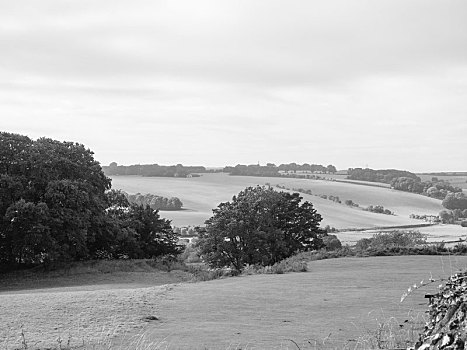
<point>271,169</point>
<point>178,170</point>
<point>449,173</point>
<point>383,175</point>
<point>154,201</point>
<point>409,182</point>
<point>436,189</point>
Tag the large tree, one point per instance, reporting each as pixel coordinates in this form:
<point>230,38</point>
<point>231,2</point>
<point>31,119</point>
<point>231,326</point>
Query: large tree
<point>259,226</point>
<point>455,201</point>
<point>52,197</point>
<point>55,204</point>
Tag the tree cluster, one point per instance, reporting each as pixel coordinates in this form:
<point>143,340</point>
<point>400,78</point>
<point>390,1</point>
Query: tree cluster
<point>455,216</point>
<point>178,170</point>
<point>259,226</point>
<point>436,189</point>
<point>55,205</point>
<point>351,203</point>
<point>379,209</point>
<point>384,240</point>
<point>382,175</point>
<point>154,202</point>
<point>455,201</point>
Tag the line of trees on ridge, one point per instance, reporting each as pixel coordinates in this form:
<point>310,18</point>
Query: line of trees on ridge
<point>273,170</point>
<point>382,175</point>
<point>178,170</point>
<point>409,182</point>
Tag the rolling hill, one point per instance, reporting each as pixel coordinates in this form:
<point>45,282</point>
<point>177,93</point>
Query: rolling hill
<point>202,194</point>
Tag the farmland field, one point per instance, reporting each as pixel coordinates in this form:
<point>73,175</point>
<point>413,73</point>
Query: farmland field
<point>201,194</point>
<point>339,302</point>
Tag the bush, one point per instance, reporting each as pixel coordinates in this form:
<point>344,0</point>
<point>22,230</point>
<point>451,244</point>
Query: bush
<point>379,209</point>
<point>296,263</point>
<point>383,240</point>
<point>190,254</point>
<point>331,242</point>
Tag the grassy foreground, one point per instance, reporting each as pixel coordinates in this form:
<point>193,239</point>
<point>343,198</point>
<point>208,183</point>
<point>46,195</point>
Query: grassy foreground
<point>349,303</point>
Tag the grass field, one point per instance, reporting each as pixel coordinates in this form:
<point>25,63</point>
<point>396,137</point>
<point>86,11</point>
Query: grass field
<point>340,303</point>
<point>200,195</point>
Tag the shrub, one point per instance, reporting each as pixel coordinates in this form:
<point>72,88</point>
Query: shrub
<point>331,242</point>
<point>379,209</point>
<point>381,241</point>
<point>190,254</point>
<point>296,263</point>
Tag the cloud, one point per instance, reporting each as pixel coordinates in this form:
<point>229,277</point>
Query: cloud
<point>259,42</point>
<point>221,82</point>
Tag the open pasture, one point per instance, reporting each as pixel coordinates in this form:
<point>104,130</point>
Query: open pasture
<point>201,194</point>
<point>339,303</point>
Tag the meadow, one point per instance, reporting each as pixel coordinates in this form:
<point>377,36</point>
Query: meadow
<point>202,194</point>
<point>351,303</point>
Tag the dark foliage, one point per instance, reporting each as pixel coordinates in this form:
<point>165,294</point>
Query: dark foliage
<point>259,226</point>
<point>383,175</point>
<point>54,204</point>
<point>436,188</point>
<point>379,209</point>
<point>455,201</point>
<point>178,170</point>
<point>154,201</point>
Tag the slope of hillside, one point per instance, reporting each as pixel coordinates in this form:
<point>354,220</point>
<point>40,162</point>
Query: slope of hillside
<point>339,303</point>
<point>201,194</point>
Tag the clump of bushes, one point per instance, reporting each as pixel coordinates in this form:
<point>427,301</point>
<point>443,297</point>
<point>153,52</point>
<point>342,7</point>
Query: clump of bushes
<point>190,254</point>
<point>351,203</point>
<point>329,229</point>
<point>396,238</point>
<point>292,264</point>
<point>203,273</point>
<point>154,201</point>
<point>379,209</point>
<point>331,242</point>
<point>455,216</point>
<point>403,243</point>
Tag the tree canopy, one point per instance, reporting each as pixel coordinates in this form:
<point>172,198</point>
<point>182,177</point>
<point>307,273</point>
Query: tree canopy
<point>259,226</point>
<point>55,205</point>
<point>455,201</point>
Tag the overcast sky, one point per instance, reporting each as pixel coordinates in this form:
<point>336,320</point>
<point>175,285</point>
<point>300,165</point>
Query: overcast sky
<point>351,83</point>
